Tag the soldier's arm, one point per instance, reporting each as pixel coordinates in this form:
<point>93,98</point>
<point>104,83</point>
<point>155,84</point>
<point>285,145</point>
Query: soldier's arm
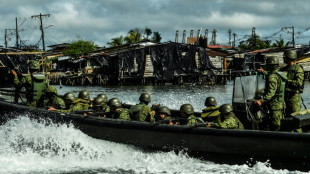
<point>298,81</point>
<point>124,115</point>
<point>272,86</point>
<point>228,123</point>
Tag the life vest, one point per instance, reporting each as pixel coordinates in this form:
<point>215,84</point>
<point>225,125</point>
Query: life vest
<point>38,86</point>
<point>281,88</point>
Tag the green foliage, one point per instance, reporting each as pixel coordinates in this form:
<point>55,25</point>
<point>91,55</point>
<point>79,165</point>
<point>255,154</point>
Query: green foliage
<point>135,35</point>
<point>78,48</point>
<point>116,41</point>
<point>281,44</point>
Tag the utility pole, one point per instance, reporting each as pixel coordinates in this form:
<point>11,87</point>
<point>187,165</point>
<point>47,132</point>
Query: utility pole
<point>254,36</point>
<point>293,34</point>
<point>16,33</point>
<point>229,33</point>
<point>213,37</point>
<point>41,26</point>
<point>177,36</point>
<point>184,36</point>
<point>234,44</point>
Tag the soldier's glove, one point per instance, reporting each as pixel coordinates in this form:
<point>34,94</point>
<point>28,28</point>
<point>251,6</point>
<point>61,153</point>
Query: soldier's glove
<point>14,72</point>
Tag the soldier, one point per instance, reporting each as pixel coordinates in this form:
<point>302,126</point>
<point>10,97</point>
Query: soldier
<point>294,84</point>
<point>53,99</point>
<point>35,83</point>
<point>211,113</point>
<point>141,111</point>
<point>229,120</point>
<point>274,94</point>
<point>79,104</point>
<point>187,112</point>
<point>100,107</point>
<point>116,111</point>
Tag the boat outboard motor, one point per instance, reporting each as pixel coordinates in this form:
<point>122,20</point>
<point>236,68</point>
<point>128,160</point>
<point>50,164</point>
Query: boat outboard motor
<point>246,90</point>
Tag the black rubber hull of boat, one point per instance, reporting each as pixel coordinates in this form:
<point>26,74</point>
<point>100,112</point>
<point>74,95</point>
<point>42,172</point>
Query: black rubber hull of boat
<point>249,143</point>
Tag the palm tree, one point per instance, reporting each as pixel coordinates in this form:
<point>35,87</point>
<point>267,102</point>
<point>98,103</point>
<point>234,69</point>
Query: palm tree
<point>156,37</point>
<point>280,44</point>
<point>117,41</point>
<point>147,32</point>
<point>134,36</point>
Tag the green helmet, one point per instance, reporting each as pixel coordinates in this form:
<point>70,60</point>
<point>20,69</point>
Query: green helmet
<point>187,108</point>
<point>290,54</point>
<point>272,60</point>
<point>105,97</point>
<point>225,108</point>
<point>84,95</point>
<point>114,102</point>
<point>165,110</point>
<point>145,97</point>
<point>34,64</point>
<point>210,101</point>
<point>69,96</point>
<point>98,101</point>
<point>51,89</point>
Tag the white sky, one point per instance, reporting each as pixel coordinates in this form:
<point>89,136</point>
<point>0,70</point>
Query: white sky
<point>101,20</point>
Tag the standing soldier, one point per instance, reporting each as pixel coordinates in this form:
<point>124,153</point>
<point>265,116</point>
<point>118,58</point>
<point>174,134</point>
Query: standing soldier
<point>35,83</point>
<point>229,120</point>
<point>294,84</point>
<point>187,112</point>
<point>211,113</point>
<point>274,94</point>
<point>141,111</point>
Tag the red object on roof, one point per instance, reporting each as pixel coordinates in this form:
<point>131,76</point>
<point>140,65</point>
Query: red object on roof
<point>219,46</point>
<point>260,51</point>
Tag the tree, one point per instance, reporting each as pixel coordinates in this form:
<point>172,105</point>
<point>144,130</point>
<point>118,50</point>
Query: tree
<point>147,32</point>
<point>134,36</point>
<point>117,41</point>
<point>79,47</point>
<point>280,44</point>
<point>156,37</point>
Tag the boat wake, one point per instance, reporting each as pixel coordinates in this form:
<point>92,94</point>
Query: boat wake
<point>28,146</point>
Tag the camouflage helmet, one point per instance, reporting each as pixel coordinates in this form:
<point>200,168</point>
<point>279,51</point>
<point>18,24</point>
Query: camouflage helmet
<point>165,110</point>
<point>69,96</point>
<point>51,89</point>
<point>34,64</point>
<point>187,108</point>
<point>114,102</point>
<point>290,54</point>
<point>272,60</point>
<point>145,97</point>
<point>98,101</point>
<point>210,101</point>
<point>84,95</point>
<point>105,97</point>
<point>225,108</point>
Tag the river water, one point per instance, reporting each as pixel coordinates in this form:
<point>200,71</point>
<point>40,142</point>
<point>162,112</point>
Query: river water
<point>27,146</point>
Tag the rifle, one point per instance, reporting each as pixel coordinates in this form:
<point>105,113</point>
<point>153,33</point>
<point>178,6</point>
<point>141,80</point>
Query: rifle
<point>91,112</point>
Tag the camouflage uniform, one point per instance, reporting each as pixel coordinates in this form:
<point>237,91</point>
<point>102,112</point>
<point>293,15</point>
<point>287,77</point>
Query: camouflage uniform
<point>56,102</point>
<point>211,113</point>
<point>230,122</point>
<point>295,76</point>
<point>145,113</point>
<point>274,98</point>
<point>120,113</point>
<point>77,105</point>
<point>191,120</point>
<point>27,82</point>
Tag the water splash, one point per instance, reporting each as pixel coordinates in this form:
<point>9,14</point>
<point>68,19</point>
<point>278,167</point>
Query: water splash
<point>28,146</point>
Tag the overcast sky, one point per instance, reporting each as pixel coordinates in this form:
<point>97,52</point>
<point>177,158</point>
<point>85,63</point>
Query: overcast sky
<point>101,20</point>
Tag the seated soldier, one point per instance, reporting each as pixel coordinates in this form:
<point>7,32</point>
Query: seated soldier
<point>187,112</point>
<point>69,97</point>
<point>141,111</point>
<point>116,111</point>
<point>229,120</point>
<point>164,115</point>
<point>211,113</point>
<point>53,99</point>
<point>100,107</point>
